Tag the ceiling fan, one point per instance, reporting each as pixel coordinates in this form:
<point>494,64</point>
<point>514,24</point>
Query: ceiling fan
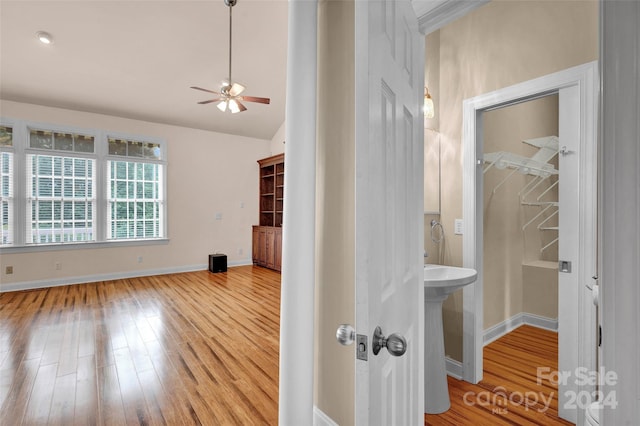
<point>229,98</point>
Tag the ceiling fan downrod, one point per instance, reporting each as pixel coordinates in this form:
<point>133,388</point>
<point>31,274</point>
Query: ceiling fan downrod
<point>230,4</point>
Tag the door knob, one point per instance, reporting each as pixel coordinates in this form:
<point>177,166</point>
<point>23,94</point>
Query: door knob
<point>345,334</point>
<point>395,343</point>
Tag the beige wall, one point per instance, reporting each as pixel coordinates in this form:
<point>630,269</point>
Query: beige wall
<point>433,249</point>
<point>335,215</point>
<point>278,140</point>
<point>500,44</point>
<point>506,246</point>
<point>207,173</point>
<point>431,134</point>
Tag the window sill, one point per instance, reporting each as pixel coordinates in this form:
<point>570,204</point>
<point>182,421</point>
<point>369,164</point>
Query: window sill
<point>81,246</point>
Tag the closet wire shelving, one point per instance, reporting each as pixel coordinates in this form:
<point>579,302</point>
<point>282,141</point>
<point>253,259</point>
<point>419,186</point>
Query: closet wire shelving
<point>538,166</point>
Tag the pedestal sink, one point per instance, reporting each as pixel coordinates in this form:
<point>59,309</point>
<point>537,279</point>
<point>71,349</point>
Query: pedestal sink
<point>439,282</point>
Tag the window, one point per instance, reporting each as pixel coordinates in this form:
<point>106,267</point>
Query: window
<point>60,189</point>
<point>135,190</point>
<point>6,185</point>
<point>78,187</point>
<point>61,202</point>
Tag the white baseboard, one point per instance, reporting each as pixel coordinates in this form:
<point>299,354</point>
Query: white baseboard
<point>454,368</point>
<point>497,331</point>
<point>31,285</point>
<point>321,419</point>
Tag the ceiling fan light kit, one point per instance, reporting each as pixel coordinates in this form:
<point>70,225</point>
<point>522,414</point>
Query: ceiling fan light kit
<point>229,98</point>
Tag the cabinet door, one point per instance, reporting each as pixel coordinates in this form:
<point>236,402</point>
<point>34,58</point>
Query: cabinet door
<point>255,244</point>
<point>262,246</point>
<point>270,248</point>
<point>278,249</point>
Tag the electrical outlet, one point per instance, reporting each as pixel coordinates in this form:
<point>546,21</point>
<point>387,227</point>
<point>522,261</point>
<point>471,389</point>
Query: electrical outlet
<point>139,259</point>
<point>58,266</point>
<point>240,251</point>
<point>8,270</point>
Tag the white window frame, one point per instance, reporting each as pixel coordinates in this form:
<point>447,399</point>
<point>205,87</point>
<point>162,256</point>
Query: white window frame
<point>130,159</point>
<point>28,173</point>
<point>11,150</point>
<point>21,149</point>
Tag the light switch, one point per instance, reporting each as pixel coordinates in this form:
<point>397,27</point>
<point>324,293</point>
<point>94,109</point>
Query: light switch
<point>458,227</point>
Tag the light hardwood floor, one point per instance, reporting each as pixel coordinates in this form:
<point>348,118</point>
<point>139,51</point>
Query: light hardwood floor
<point>193,348</point>
<point>509,393</point>
<point>196,348</point>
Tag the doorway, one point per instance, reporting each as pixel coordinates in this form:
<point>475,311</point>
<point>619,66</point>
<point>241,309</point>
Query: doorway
<point>576,88</point>
<point>521,177</point>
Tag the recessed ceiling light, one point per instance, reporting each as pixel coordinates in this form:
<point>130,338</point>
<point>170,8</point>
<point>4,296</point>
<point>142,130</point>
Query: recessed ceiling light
<point>44,37</point>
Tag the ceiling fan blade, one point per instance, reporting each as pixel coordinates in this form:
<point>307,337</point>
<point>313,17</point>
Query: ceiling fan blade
<point>205,90</point>
<point>235,106</point>
<point>236,89</point>
<point>241,106</point>
<point>255,99</point>
<point>209,101</point>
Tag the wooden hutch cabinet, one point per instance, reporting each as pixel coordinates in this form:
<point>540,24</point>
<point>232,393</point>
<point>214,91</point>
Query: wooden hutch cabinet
<point>267,236</point>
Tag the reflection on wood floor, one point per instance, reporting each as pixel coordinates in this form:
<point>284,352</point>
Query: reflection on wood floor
<point>199,348</point>
<point>509,393</point>
<point>192,348</point>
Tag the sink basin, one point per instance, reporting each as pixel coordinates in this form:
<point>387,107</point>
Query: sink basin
<point>439,282</point>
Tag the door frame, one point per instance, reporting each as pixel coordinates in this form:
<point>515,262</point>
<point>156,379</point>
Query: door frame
<point>297,322</point>
<point>585,78</point>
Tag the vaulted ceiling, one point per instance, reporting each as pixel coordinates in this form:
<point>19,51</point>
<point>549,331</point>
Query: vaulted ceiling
<point>137,59</point>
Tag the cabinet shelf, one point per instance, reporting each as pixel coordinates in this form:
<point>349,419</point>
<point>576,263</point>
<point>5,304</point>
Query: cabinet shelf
<point>267,235</point>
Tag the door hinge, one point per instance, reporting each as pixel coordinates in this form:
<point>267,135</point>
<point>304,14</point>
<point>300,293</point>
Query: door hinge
<point>362,348</point>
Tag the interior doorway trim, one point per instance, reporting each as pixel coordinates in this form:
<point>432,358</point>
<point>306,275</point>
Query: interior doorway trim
<point>585,79</point>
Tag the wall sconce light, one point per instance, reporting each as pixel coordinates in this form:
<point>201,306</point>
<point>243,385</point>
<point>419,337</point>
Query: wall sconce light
<point>429,109</point>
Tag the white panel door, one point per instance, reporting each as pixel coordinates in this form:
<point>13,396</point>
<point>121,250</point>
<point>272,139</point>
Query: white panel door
<point>573,295</point>
<point>389,209</point>
<point>568,245</point>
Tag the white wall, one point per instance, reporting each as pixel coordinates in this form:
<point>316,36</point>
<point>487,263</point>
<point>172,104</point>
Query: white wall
<point>278,140</point>
<point>207,173</point>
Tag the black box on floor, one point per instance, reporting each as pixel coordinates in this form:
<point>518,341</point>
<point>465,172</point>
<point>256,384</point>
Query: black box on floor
<point>218,262</point>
